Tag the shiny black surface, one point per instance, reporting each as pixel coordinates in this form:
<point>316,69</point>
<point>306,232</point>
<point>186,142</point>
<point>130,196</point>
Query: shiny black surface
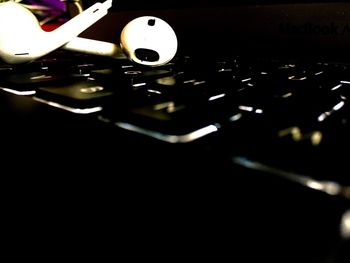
<point>116,141</point>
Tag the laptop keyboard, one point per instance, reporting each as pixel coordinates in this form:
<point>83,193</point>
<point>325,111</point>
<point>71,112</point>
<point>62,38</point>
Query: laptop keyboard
<point>289,118</point>
<point>278,117</point>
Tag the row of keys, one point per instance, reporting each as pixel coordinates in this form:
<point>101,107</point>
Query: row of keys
<point>298,109</point>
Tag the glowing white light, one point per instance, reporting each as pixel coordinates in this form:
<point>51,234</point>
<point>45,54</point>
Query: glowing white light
<point>189,81</point>
<point>199,82</point>
<point>127,66</point>
<point>236,117</point>
<point>296,78</point>
<point>41,77</point>
<point>339,105</point>
<point>328,187</point>
<point>345,225</point>
<point>154,91</point>
<point>91,90</point>
<point>323,116</point>
<point>246,108</point>
<point>225,70</point>
<point>168,137</point>
<point>67,108</point>
<point>24,93</point>
<point>139,85</point>
<point>245,80</point>
<point>336,87</point>
<point>217,97</point>
<point>287,95</point>
<point>132,72</point>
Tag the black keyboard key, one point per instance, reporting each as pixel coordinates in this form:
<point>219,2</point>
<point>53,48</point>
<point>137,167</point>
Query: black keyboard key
<point>85,96</point>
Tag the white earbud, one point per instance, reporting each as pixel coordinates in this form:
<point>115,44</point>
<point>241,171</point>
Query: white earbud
<point>149,40</point>
<point>146,40</point>
<point>94,47</point>
<point>23,40</point>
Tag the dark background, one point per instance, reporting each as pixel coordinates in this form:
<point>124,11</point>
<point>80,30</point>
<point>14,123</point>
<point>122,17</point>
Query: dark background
<point>139,4</point>
<point>220,28</point>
